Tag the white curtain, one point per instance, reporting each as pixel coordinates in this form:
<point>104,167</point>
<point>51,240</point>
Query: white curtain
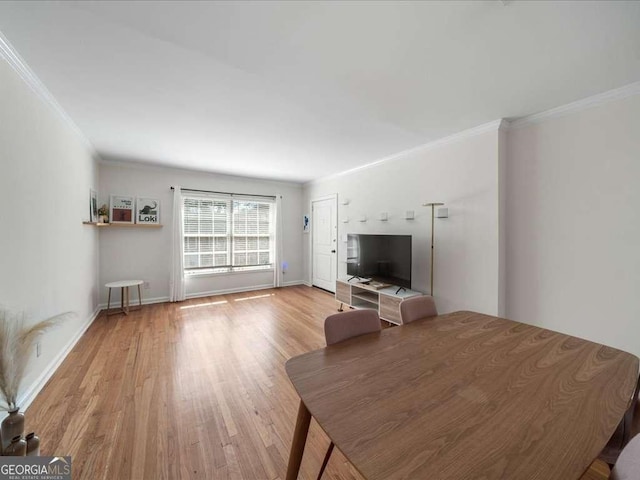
<point>176,280</point>
<point>278,260</point>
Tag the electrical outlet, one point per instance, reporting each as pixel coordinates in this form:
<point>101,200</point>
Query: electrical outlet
<point>38,349</point>
<point>146,285</point>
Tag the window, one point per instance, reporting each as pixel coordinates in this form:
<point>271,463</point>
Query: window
<point>224,234</point>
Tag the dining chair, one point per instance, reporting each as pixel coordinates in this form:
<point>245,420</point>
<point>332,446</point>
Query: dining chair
<point>343,326</point>
<point>623,433</point>
<point>628,465</point>
<point>353,323</point>
<point>626,468</point>
<point>417,307</point>
<point>619,449</point>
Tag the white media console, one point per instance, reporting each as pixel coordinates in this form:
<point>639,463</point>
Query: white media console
<point>385,300</point>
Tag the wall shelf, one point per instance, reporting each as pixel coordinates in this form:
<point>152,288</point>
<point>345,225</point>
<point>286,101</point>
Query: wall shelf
<point>125,225</point>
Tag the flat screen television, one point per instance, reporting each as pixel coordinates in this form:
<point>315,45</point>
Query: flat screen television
<point>382,258</point>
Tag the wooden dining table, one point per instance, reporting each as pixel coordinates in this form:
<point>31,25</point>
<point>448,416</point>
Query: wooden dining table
<point>463,396</point>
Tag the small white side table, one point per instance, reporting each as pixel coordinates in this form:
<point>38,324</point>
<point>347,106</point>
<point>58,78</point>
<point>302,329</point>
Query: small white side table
<point>123,285</point>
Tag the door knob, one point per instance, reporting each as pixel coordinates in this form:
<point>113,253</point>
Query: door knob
<point>333,251</point>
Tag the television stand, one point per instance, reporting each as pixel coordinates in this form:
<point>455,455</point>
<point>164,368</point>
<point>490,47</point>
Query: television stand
<point>385,300</point>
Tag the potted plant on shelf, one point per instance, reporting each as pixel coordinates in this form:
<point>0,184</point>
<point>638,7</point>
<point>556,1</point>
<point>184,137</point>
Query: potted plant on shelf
<point>103,214</point>
<point>16,344</point>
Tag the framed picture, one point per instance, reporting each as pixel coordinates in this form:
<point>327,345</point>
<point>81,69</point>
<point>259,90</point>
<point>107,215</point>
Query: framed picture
<point>147,210</point>
<point>306,225</point>
<point>122,209</point>
<point>93,206</point>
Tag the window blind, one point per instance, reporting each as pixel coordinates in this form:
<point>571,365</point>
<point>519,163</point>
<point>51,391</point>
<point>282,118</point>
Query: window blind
<point>225,234</point>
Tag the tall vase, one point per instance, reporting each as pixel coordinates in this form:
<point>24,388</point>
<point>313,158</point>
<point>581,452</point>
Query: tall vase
<point>12,426</point>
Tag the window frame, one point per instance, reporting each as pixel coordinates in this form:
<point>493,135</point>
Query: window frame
<point>231,202</point>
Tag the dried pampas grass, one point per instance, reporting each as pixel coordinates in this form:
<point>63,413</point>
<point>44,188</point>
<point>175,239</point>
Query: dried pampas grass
<point>16,343</point>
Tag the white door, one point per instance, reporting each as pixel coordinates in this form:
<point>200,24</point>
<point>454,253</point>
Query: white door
<point>324,231</point>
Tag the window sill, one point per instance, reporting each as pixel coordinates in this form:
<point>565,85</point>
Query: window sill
<point>209,273</point>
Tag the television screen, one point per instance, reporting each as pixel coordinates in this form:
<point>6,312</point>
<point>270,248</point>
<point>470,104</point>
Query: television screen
<point>383,258</point>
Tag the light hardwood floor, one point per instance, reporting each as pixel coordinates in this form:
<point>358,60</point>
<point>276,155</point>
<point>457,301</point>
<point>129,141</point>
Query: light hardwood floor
<point>189,390</point>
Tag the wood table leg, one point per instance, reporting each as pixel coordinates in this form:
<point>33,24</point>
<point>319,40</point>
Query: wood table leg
<point>122,300</point>
<point>139,297</point>
<point>299,439</point>
<point>327,456</point>
<point>109,301</point>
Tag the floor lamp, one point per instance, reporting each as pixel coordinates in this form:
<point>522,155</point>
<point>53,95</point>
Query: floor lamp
<point>433,215</point>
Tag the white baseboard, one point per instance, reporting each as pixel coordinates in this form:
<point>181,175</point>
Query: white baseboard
<point>210,293</point>
<point>32,391</point>
<point>229,290</point>
<point>242,289</point>
<point>293,283</point>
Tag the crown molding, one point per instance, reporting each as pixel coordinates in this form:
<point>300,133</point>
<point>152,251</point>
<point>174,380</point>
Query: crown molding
<point>456,137</point>
<point>577,106</point>
<point>15,61</point>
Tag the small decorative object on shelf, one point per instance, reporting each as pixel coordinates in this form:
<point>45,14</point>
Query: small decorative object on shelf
<point>93,206</point>
<point>103,214</point>
<point>16,448</point>
<point>33,445</point>
<point>122,209</point>
<point>148,211</point>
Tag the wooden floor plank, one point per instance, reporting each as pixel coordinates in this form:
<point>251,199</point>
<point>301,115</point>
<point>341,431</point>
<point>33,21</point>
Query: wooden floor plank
<point>189,390</point>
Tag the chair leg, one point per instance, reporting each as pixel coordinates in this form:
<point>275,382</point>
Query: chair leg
<point>326,460</point>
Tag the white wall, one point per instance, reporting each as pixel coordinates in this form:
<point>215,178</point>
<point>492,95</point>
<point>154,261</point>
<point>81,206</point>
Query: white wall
<point>146,253</point>
<point>48,258</point>
<point>573,224</point>
<point>464,175</point>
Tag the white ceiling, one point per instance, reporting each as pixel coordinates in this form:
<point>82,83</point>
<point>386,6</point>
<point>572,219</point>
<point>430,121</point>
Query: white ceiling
<point>301,90</point>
